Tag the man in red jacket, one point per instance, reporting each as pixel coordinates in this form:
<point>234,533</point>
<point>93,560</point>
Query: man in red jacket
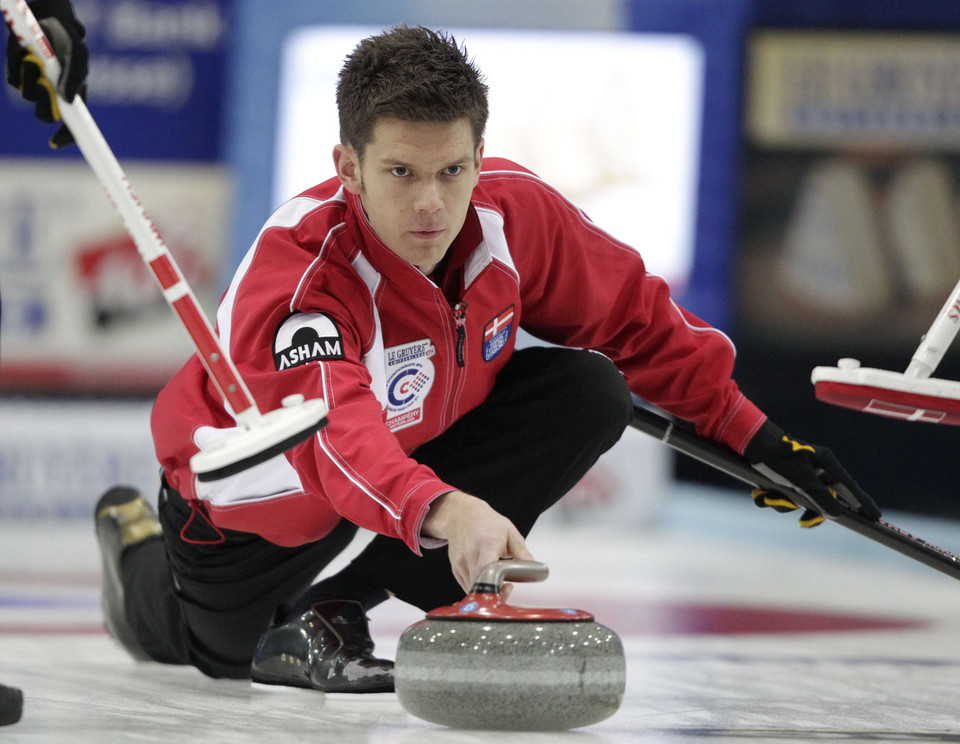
<point>395,291</point>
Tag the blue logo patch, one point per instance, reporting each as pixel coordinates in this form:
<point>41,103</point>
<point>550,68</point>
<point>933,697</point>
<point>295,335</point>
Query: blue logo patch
<point>496,334</point>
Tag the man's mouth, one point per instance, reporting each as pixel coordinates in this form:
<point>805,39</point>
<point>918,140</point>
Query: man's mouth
<point>427,234</point>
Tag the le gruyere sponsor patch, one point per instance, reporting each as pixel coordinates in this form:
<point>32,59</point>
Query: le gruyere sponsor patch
<point>306,337</point>
<point>410,375</point>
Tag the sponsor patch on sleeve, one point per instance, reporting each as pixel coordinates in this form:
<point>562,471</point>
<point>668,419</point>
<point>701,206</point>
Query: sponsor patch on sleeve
<point>306,337</point>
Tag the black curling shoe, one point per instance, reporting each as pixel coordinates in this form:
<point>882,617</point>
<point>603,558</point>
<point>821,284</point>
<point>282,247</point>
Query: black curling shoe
<point>123,519</point>
<point>326,648</point>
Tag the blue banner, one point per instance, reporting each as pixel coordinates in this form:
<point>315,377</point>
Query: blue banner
<point>155,86</point>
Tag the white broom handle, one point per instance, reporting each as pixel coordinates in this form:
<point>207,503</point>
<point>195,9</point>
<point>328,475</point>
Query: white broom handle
<point>145,235</point>
<point>934,345</point>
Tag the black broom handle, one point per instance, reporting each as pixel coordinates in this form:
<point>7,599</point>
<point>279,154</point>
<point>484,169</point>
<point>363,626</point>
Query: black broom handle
<point>736,465</point>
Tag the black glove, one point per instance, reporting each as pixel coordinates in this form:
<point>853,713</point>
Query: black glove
<point>25,70</point>
<point>812,469</point>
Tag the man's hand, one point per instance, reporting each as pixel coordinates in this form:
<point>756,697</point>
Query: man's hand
<point>476,535</point>
<point>25,70</point>
<point>813,469</point>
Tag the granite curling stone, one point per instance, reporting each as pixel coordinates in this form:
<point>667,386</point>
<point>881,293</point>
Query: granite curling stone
<point>484,664</point>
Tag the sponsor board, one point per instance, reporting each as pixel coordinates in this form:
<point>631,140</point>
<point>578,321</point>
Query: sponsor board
<point>81,312</point>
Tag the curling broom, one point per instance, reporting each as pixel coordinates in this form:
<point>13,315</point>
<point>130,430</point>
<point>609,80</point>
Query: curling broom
<point>912,395</point>
<point>727,461</point>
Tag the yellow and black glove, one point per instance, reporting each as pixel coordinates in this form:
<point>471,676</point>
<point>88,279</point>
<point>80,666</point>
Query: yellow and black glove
<point>25,70</point>
<point>811,469</point>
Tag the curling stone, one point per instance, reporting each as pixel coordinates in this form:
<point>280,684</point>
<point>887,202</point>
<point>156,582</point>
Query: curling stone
<point>11,705</point>
<point>484,664</point>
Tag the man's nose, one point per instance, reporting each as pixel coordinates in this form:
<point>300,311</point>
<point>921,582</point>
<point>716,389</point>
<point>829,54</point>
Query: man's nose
<point>428,197</point>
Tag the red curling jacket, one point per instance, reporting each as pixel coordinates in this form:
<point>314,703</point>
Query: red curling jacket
<point>320,306</point>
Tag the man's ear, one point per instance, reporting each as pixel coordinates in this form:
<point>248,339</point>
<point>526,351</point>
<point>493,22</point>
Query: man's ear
<point>347,163</point>
<point>478,162</point>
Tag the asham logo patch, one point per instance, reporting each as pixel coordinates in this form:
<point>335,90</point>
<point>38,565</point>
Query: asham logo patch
<point>306,337</point>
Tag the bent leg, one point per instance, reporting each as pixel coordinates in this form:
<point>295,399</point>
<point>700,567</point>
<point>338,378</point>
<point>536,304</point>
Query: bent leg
<point>208,605</point>
<point>152,607</point>
<point>551,415</point>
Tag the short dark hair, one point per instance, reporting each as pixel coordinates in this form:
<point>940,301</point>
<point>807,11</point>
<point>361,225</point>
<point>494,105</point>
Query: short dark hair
<point>412,74</point>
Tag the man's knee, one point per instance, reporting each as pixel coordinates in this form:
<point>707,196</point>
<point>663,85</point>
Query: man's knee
<point>604,398</point>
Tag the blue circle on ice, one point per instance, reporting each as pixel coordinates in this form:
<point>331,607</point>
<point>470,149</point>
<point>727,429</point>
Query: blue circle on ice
<point>469,607</point>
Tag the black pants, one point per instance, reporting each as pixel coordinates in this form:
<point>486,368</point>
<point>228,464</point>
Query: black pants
<point>551,414</point>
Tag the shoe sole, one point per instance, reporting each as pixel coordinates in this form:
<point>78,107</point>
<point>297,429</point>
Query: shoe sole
<point>285,688</point>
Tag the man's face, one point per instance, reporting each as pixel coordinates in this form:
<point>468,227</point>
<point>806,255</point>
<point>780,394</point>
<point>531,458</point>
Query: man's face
<point>415,184</point>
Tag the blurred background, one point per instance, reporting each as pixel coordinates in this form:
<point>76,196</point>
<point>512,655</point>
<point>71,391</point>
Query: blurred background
<point>790,168</point>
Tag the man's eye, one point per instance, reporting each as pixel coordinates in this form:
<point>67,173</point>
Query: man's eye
<point>399,171</point>
<point>454,170</point>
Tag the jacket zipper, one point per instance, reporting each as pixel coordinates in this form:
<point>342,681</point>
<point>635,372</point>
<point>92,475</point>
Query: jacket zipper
<point>460,319</point>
